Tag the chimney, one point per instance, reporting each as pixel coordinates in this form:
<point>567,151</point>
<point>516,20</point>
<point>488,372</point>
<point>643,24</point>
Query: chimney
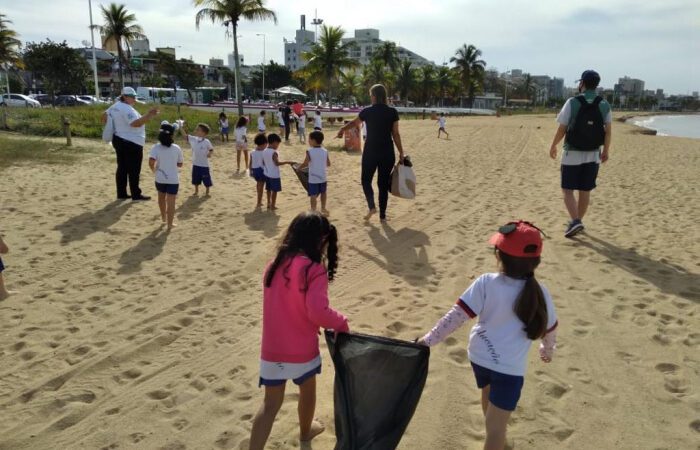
<point>303,21</point>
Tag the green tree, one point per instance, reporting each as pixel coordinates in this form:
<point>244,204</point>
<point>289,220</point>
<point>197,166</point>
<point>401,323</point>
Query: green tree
<point>328,58</point>
<point>59,67</point>
<point>276,76</point>
<point>426,83</point>
<point>188,74</point>
<point>120,26</point>
<point>445,81</point>
<point>470,69</point>
<point>405,79</point>
<point>388,54</point>
<point>9,48</point>
<point>153,80</point>
<point>350,85</point>
<point>230,12</point>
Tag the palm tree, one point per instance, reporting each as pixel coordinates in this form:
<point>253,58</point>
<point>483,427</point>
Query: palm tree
<point>230,12</point>
<point>470,68</point>
<point>329,56</point>
<point>426,82</point>
<point>445,79</point>
<point>388,54</point>
<point>9,47</point>
<point>120,25</point>
<point>350,84</point>
<point>405,79</point>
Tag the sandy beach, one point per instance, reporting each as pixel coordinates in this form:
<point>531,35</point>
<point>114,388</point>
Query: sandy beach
<point>123,336</point>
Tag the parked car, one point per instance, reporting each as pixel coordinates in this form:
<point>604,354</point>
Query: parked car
<point>69,100</point>
<point>141,100</point>
<point>19,100</point>
<point>90,99</point>
<point>44,99</point>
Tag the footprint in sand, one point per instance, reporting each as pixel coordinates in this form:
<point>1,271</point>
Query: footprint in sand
<point>158,394</point>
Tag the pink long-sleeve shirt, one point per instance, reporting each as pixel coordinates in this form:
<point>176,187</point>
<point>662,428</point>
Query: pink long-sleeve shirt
<point>295,306</point>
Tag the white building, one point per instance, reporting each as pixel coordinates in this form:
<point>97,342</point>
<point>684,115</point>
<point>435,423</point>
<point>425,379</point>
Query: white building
<point>367,41</point>
<point>232,59</point>
<point>140,47</point>
<point>216,62</point>
<point>293,50</point>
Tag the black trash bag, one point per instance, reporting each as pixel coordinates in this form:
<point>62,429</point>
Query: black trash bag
<point>378,383</point>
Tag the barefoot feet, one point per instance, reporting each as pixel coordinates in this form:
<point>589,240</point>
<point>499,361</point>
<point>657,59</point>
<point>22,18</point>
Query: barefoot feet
<point>371,212</point>
<point>316,429</point>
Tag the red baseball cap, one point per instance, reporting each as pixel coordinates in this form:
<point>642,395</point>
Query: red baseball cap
<point>520,239</point>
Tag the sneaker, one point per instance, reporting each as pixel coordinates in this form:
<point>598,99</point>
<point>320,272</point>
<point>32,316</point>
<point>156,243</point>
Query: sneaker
<point>141,198</point>
<point>575,226</point>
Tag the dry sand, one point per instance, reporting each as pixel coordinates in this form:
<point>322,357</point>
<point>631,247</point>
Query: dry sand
<point>126,337</point>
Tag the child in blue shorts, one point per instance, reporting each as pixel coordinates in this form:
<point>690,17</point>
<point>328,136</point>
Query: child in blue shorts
<point>317,161</point>
<point>4,293</point>
<point>164,160</point>
<point>201,152</point>
<point>257,168</point>
<point>271,163</point>
<point>514,309</point>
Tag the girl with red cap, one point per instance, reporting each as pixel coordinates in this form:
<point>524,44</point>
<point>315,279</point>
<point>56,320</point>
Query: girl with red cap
<point>514,310</point>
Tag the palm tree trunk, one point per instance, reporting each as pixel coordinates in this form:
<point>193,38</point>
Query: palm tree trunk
<point>237,68</point>
<point>121,70</point>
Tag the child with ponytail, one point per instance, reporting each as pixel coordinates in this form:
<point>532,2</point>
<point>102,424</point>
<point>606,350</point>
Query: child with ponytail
<point>295,306</point>
<point>514,309</point>
<point>165,160</point>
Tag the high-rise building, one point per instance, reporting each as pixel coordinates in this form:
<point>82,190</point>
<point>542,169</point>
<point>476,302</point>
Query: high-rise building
<point>216,62</point>
<point>232,59</point>
<point>556,88</point>
<point>631,87</point>
<point>140,47</point>
<point>367,41</point>
<point>293,50</point>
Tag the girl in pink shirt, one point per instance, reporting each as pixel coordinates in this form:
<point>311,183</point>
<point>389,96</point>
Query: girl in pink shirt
<point>295,306</point>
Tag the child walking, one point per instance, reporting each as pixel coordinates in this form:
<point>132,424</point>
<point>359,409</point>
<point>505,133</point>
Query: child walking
<point>257,167</point>
<point>261,122</point>
<point>280,120</point>
<point>301,127</point>
<point>318,121</point>
<point>241,135</point>
<point>514,310</point>
<point>164,160</point>
<point>295,306</point>
<point>223,126</point>
<point>4,293</point>
<point>441,121</point>
<point>271,163</point>
<point>317,161</point>
<point>201,152</point>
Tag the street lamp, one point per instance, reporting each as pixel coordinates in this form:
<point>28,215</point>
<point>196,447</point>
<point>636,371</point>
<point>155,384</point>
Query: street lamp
<point>263,65</point>
<point>94,58</point>
<point>316,22</point>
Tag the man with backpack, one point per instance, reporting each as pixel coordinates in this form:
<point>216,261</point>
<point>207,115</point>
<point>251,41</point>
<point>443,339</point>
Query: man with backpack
<point>586,122</point>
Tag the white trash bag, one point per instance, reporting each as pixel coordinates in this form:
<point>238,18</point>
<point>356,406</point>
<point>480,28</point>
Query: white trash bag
<point>403,180</point>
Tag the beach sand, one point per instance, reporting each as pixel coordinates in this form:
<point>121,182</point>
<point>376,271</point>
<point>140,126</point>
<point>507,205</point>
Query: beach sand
<point>126,337</point>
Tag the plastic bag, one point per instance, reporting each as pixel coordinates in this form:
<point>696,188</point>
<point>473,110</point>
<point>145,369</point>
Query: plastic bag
<point>378,384</point>
<point>403,180</point>
<point>303,175</point>
<point>108,130</point>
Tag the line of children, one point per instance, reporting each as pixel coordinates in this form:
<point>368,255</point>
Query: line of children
<point>241,135</point>
<point>223,126</point>
<point>318,161</point>
<point>4,293</point>
<point>201,153</point>
<point>271,163</point>
<point>164,160</point>
<point>257,166</point>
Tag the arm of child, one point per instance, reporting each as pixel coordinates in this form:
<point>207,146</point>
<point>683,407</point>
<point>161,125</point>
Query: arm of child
<point>450,322</point>
<point>3,247</point>
<point>328,161</point>
<point>183,131</point>
<point>547,345</point>
<point>152,164</point>
<point>306,162</point>
<point>180,158</point>
<point>317,307</point>
<point>276,160</point>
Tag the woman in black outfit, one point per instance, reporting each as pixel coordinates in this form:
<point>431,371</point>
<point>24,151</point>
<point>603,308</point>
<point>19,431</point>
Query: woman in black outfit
<point>382,123</point>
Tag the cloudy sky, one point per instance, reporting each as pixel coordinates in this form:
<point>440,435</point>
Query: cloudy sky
<point>658,42</point>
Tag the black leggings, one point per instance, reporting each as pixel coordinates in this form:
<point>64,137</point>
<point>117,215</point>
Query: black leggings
<point>383,165</point>
<point>287,129</point>
<point>129,159</point>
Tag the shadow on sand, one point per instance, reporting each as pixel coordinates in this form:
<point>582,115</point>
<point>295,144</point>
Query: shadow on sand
<point>189,207</point>
<point>147,249</point>
<point>81,226</point>
<point>261,220</point>
<point>669,278</point>
<point>403,251</point>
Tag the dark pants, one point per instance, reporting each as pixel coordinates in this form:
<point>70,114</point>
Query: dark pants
<point>383,164</point>
<point>129,159</point>
<point>287,129</point>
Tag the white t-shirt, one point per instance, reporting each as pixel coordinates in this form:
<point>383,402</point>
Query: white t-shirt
<point>318,165</point>
<point>256,159</point>
<point>301,122</point>
<point>167,159</point>
<point>261,123</point>
<point>280,118</point>
<point>241,135</point>
<point>498,341</point>
<point>272,170</point>
<point>124,115</point>
<point>318,123</point>
<point>223,123</point>
<point>200,150</point>
<point>441,121</point>
<point>574,157</point>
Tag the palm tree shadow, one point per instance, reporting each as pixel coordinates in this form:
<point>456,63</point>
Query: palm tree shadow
<point>190,206</point>
<point>259,220</point>
<point>81,226</point>
<point>669,278</point>
<point>404,253</point>
<point>147,249</point>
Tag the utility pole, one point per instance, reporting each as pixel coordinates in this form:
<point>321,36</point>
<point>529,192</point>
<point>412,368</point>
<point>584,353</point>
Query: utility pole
<point>263,65</point>
<point>316,22</point>
<point>94,57</point>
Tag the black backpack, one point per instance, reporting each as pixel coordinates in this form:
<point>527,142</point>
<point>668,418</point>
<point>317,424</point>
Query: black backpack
<point>588,131</point>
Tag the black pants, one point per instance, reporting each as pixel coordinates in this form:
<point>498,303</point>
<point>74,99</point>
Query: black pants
<point>287,129</point>
<point>383,164</point>
<point>129,159</point>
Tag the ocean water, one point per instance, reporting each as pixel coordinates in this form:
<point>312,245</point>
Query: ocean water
<point>681,126</point>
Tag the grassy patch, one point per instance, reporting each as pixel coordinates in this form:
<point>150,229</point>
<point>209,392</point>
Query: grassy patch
<point>14,150</point>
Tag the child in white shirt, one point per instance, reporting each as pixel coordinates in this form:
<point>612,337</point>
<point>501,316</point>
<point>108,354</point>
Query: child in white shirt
<point>301,127</point>
<point>441,121</point>
<point>318,122</point>
<point>280,120</point>
<point>257,166</point>
<point>241,134</point>
<point>317,161</point>
<point>223,126</point>
<point>271,163</point>
<point>201,152</point>
<point>164,160</point>
<point>261,122</point>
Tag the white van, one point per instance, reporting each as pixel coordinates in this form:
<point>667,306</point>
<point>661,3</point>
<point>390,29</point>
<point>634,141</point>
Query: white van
<point>161,95</point>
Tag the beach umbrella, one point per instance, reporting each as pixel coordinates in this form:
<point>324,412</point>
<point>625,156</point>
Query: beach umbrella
<point>289,90</point>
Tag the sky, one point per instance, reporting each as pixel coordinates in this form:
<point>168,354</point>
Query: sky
<point>658,42</point>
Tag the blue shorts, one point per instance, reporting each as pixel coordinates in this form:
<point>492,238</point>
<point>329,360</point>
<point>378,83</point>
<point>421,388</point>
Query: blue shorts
<point>201,175</point>
<point>317,188</point>
<point>224,130</point>
<point>258,174</point>
<point>273,184</point>
<point>579,178</point>
<point>297,381</point>
<point>504,389</point>
<point>166,188</point>
<point>2,266</point>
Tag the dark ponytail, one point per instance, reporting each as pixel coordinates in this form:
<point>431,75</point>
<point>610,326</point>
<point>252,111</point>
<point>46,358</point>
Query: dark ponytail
<point>530,306</point>
<point>165,137</point>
